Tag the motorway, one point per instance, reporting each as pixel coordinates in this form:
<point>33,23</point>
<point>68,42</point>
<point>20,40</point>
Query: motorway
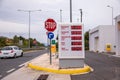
<point>10,65</point>
<point>106,67</point>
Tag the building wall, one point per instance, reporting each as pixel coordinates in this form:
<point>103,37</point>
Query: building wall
<point>92,35</point>
<point>117,19</point>
<point>107,36</point>
<point>104,34</point>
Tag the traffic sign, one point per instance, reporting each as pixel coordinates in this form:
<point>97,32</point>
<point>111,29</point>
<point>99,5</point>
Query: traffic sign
<point>50,25</point>
<point>50,35</point>
<point>53,41</point>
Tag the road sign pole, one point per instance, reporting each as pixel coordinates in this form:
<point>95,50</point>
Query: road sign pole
<point>50,36</point>
<point>50,53</point>
<point>50,26</point>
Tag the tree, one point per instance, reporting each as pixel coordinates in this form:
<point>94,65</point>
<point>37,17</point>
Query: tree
<point>21,38</point>
<point>16,39</point>
<point>3,41</point>
<point>86,41</point>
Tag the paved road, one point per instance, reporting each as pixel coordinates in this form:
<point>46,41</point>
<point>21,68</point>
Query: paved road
<point>9,65</point>
<point>105,67</point>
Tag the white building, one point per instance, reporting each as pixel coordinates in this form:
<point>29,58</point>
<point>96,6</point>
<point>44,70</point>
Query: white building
<point>101,36</point>
<point>117,31</point>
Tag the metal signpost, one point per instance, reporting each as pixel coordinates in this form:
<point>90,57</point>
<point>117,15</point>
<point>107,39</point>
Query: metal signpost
<point>50,26</point>
<point>50,36</point>
<point>71,45</point>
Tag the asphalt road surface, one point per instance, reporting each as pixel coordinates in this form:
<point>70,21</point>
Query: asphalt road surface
<point>10,65</point>
<point>106,67</point>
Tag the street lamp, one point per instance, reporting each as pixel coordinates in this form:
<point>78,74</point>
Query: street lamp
<point>112,12</point>
<point>81,13</point>
<point>29,12</point>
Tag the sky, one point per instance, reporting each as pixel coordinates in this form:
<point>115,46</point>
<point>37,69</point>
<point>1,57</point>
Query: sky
<point>14,22</point>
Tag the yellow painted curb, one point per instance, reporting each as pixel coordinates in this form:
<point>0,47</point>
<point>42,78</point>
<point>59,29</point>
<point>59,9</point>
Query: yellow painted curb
<point>86,69</point>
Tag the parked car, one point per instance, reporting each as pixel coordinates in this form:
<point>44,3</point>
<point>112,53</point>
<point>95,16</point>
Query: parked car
<point>11,51</point>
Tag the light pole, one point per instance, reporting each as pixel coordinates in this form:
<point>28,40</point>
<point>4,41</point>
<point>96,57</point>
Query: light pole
<point>81,15</point>
<point>60,15</point>
<point>112,12</point>
<point>29,12</point>
<point>70,10</point>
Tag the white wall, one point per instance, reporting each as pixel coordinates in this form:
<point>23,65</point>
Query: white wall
<point>117,35</point>
<point>92,34</point>
<point>107,35</point>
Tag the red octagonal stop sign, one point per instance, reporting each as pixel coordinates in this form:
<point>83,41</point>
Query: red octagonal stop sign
<point>50,25</point>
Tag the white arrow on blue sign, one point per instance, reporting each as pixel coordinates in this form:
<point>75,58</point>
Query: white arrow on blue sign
<point>50,35</point>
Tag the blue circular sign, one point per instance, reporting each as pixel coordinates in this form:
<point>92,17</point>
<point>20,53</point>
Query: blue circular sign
<point>50,35</point>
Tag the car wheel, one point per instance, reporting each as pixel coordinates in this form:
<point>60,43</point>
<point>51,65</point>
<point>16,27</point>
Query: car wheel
<point>14,55</point>
<point>21,54</point>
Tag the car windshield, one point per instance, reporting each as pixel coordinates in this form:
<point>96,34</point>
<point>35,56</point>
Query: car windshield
<point>6,48</point>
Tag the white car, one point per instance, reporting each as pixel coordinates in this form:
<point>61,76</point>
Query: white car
<point>11,51</point>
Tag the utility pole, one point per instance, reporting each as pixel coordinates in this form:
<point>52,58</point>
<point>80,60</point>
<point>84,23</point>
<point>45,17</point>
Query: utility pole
<point>29,12</point>
<point>60,15</point>
<point>70,10</point>
<point>112,12</point>
<point>81,14</point>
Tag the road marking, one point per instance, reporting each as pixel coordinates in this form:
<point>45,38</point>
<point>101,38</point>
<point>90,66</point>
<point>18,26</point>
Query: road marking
<point>21,65</point>
<point>10,70</point>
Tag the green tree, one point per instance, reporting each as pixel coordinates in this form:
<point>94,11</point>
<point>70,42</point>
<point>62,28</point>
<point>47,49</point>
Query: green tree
<point>16,40</point>
<point>86,41</point>
<point>3,41</point>
<point>21,38</point>
<point>25,43</point>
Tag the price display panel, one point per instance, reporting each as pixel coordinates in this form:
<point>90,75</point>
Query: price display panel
<point>71,41</point>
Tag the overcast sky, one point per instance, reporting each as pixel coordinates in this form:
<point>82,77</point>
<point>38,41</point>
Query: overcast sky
<point>95,12</point>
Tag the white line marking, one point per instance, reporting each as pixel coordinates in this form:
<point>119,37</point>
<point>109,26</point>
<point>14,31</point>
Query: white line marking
<point>21,65</point>
<point>10,70</point>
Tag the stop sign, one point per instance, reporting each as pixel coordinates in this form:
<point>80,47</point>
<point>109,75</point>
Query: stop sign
<point>50,25</point>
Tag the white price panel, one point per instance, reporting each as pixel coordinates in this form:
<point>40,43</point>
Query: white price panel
<point>71,41</point>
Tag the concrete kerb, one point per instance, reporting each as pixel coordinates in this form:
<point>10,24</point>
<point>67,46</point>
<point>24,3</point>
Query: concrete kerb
<point>84,70</point>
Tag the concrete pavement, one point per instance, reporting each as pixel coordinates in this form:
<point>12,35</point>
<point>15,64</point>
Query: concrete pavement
<point>26,73</point>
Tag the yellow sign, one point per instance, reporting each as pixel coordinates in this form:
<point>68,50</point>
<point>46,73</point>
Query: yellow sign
<point>53,49</point>
<point>108,47</point>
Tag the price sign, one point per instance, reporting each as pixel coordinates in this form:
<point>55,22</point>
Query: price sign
<point>71,41</point>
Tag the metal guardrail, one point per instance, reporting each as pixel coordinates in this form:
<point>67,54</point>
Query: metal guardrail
<point>29,49</point>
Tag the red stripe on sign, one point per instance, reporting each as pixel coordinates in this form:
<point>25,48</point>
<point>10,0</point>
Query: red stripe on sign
<point>76,48</point>
<point>76,32</point>
<point>76,38</point>
<point>76,27</point>
<point>76,43</point>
